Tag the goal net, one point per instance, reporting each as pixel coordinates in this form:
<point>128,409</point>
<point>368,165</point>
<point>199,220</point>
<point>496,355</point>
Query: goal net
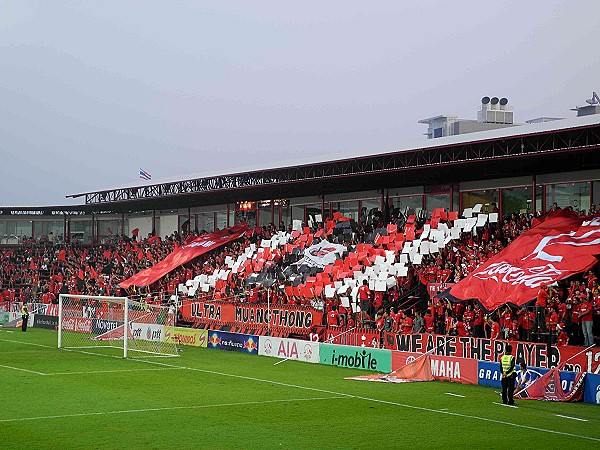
<point>135,328</point>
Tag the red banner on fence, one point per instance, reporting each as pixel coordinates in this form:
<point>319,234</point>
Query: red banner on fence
<point>561,245</point>
<point>185,253</point>
<point>534,354</point>
<point>449,368</point>
<point>296,319</point>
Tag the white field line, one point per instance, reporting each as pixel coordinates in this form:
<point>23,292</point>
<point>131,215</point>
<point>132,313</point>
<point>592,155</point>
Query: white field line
<point>387,402</point>
<point>171,408</point>
<point>572,418</point>
<point>455,395</point>
<point>22,370</point>
<point>109,371</point>
<point>508,406</point>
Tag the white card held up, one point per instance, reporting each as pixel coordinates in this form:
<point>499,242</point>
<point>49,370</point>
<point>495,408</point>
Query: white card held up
<point>434,248</point>
<point>404,258</point>
<point>460,223</point>
<point>406,247</point>
<point>391,281</point>
<point>296,225</point>
<point>468,212</point>
<point>425,233</point>
<point>264,243</point>
<point>493,218</point>
<point>329,291</point>
<point>380,286</point>
<point>455,233</point>
<point>338,284</point>
<point>417,259</point>
<point>481,219</point>
<point>379,260</point>
<point>402,271</point>
<point>424,248</point>
<point>318,218</point>
<point>345,301</point>
<point>205,287</point>
<point>477,208</point>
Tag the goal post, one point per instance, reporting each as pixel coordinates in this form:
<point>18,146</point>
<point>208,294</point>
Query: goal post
<point>135,328</point>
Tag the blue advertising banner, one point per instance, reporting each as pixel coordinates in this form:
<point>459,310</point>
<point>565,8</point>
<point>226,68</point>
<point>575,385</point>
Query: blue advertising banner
<point>592,389</point>
<point>101,326</point>
<point>222,340</point>
<point>488,374</point>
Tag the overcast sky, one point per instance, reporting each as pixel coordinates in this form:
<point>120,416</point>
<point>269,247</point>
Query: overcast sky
<point>92,91</point>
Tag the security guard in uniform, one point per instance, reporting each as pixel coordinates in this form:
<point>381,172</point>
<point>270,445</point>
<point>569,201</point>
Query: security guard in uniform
<point>507,367</point>
<point>24,316</point>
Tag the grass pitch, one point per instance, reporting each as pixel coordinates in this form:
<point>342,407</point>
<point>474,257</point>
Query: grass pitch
<point>55,398</point>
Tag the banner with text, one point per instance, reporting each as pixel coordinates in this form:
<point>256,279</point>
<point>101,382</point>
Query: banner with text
<point>186,336</point>
<point>534,354</point>
<point>222,340</point>
<point>299,350</point>
<point>365,358</point>
<point>560,245</point>
<point>448,368</point>
<point>199,246</point>
<point>297,319</point>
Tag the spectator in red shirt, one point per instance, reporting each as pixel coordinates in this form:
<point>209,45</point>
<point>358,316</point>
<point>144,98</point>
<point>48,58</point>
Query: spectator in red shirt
<point>364,295</point>
<point>540,309</point>
<point>494,327</point>
<point>478,321</point>
<point>407,324</point>
<point>429,322</point>
<point>333,317</point>
<point>585,314</point>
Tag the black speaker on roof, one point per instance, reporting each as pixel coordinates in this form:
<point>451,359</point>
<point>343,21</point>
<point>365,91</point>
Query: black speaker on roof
<point>495,100</point>
<point>485,100</point>
<point>503,101</point>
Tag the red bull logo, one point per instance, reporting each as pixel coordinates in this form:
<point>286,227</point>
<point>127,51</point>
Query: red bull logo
<point>250,345</point>
<point>214,340</point>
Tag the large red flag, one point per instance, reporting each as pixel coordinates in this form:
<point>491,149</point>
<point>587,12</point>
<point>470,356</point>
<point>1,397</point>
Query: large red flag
<point>199,246</point>
<point>62,255</point>
<point>559,246</point>
<point>548,387</point>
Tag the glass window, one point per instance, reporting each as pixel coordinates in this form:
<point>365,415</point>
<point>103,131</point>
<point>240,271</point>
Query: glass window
<point>312,211</point>
<point>81,231</point>
<point>108,231</point>
<point>24,229</point>
<point>370,207</point>
<point>575,195</point>
<point>265,213</point>
<point>206,222</point>
<point>485,197</point>
<point>221,219</point>
<point>44,228</point>
<point>433,201</point>
<point>348,209</point>
<point>408,205</point>
<point>286,216</point>
<point>516,200</point>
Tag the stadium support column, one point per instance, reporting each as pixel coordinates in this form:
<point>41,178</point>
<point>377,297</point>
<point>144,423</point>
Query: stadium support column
<point>533,194</point>
<point>153,221</point>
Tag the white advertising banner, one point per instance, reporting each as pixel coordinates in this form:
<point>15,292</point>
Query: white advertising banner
<point>147,331</point>
<point>306,351</point>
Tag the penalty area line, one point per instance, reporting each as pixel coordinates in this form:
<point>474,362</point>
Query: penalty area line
<point>455,395</point>
<point>167,408</point>
<point>22,370</point>
<point>571,418</point>
<point>375,400</point>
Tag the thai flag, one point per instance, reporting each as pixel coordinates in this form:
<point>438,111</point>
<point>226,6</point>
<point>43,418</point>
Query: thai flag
<point>145,175</point>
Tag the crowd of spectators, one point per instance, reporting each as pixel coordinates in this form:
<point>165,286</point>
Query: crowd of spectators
<point>40,271</point>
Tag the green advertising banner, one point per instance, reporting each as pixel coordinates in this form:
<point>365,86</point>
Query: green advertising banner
<point>4,316</point>
<point>365,358</point>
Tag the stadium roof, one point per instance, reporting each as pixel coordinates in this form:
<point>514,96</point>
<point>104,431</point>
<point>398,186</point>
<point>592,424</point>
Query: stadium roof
<point>522,130</point>
<point>526,150</point>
